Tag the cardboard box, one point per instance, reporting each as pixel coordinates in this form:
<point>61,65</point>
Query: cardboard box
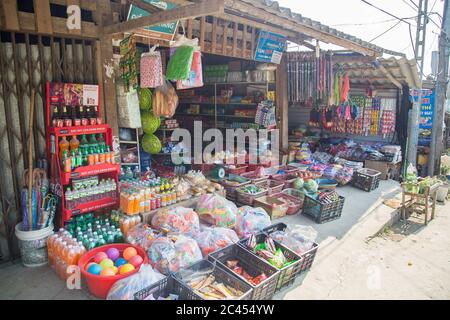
<point>388,170</point>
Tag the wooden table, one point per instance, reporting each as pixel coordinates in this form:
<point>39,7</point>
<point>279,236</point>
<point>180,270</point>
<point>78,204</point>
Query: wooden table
<point>419,203</point>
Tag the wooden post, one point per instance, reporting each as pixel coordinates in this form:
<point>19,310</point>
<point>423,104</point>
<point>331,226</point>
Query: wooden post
<point>282,102</point>
<point>235,29</point>
<point>43,16</point>
<point>214,35</point>
<point>202,32</point>
<point>9,15</point>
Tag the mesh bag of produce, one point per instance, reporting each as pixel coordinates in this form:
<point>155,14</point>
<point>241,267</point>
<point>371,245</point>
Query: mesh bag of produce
<point>251,220</point>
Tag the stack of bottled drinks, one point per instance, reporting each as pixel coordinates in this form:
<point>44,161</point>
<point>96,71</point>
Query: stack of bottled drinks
<point>63,250</point>
<point>90,191</point>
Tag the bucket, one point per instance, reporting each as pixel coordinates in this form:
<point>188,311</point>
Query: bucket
<point>33,245</point>
<point>442,193</point>
<point>99,286</point>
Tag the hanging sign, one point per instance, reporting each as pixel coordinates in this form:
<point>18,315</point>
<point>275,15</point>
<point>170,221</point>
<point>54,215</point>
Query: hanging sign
<point>427,110</point>
<point>165,31</point>
<point>270,47</point>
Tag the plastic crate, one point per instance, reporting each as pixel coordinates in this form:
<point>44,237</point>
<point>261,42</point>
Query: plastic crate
<point>323,212</point>
<point>161,288</point>
<point>187,293</point>
<point>289,273</point>
<point>296,203</point>
<point>253,265</point>
<point>308,256</point>
<point>246,198</point>
<point>366,179</point>
<point>275,207</point>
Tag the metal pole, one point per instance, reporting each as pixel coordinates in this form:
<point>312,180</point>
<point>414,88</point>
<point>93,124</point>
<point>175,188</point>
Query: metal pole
<point>437,133</point>
<point>413,127</point>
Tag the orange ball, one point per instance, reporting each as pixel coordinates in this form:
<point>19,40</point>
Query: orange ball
<point>126,268</point>
<point>129,252</point>
<point>107,272</point>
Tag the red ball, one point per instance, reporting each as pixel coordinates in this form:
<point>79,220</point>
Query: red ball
<point>136,261</point>
<point>99,256</point>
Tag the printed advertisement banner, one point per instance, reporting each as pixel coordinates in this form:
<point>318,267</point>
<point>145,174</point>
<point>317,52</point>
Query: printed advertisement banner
<point>270,47</point>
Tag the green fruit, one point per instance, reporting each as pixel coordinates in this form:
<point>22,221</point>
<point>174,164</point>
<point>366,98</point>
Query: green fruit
<point>150,123</point>
<point>151,144</point>
<point>145,99</point>
<point>298,183</point>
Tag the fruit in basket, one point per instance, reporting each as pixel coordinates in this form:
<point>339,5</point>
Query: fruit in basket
<point>145,99</point>
<point>150,123</point>
<point>151,144</point>
<point>298,183</point>
<point>129,252</point>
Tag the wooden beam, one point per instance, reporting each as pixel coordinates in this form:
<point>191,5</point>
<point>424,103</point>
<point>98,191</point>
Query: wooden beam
<point>235,30</point>
<point>204,8</point>
<point>214,35</point>
<point>256,14</point>
<point>190,25</point>
<point>84,4</point>
<point>202,32</point>
<point>43,16</point>
<point>9,16</point>
<point>145,6</point>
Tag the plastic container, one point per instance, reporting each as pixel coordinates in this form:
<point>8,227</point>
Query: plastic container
<point>254,266</point>
<point>366,179</point>
<point>33,245</point>
<point>99,286</point>
<point>322,212</point>
<point>275,207</point>
<point>162,288</point>
<point>294,203</point>
<point>245,198</point>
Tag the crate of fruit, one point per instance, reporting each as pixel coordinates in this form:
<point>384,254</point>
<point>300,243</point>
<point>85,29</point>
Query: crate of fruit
<point>275,207</point>
<point>302,246</point>
<point>256,178</point>
<point>288,262</point>
<point>231,183</point>
<point>247,194</point>
<point>165,289</point>
<point>327,207</point>
<point>308,175</point>
<point>275,186</point>
<point>366,179</point>
<point>206,280</point>
<point>259,274</point>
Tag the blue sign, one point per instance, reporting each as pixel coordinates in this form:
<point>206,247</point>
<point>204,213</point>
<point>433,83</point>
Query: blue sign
<point>427,110</point>
<point>270,47</point>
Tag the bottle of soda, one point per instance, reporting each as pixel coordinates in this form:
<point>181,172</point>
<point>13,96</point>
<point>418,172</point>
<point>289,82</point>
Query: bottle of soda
<point>118,237</point>
<point>101,241</point>
<point>110,239</point>
<point>91,244</point>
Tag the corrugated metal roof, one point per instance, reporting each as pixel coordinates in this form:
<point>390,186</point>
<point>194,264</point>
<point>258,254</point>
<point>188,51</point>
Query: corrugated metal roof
<point>402,70</point>
<point>274,8</point>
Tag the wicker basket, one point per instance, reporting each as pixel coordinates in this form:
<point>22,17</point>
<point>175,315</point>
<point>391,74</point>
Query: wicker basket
<point>295,203</point>
<point>245,198</point>
<point>253,265</point>
<point>230,188</point>
<point>258,181</point>
<point>240,169</point>
<point>275,186</point>
<point>275,207</point>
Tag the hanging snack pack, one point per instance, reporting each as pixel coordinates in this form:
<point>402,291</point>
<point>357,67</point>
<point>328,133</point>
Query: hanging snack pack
<point>165,101</point>
<point>195,78</point>
<point>151,69</point>
<point>179,66</point>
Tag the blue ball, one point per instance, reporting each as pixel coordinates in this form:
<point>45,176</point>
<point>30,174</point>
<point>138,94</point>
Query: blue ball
<point>119,262</point>
<point>95,269</point>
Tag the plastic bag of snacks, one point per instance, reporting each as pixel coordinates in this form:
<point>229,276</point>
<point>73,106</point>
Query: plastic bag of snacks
<point>165,101</point>
<point>251,220</point>
<point>299,239</point>
<point>195,78</point>
<point>125,288</point>
<point>174,252</point>
<point>178,220</point>
<point>179,66</point>
<point>141,235</point>
<point>344,176</point>
<point>213,239</point>
<point>217,210</point>
<point>151,69</point>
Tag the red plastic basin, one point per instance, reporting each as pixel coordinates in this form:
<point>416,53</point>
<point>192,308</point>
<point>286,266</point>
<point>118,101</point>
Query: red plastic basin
<point>99,286</point>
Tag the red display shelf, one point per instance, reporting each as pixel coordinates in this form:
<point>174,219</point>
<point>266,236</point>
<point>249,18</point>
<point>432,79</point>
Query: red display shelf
<point>79,130</point>
<point>88,171</point>
<point>89,206</point>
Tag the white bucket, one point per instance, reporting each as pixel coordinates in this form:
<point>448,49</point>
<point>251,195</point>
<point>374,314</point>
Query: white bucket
<point>33,245</point>
<point>442,193</point>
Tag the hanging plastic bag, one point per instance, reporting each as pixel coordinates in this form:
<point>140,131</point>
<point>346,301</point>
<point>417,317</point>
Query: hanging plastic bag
<point>213,239</point>
<point>151,69</point>
<point>128,107</point>
<point>217,210</point>
<point>179,66</point>
<point>251,220</point>
<point>125,289</point>
<point>195,79</point>
<point>165,101</point>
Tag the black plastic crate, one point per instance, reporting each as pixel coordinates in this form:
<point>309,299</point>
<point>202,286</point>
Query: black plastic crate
<point>366,179</point>
<point>323,212</point>
<point>289,273</point>
<point>308,256</point>
<point>187,293</point>
<point>253,266</point>
<point>162,288</point>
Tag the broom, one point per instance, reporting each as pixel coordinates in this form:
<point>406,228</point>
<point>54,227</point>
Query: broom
<point>30,161</point>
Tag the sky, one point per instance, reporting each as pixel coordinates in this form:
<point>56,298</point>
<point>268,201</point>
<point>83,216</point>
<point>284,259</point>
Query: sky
<point>365,22</point>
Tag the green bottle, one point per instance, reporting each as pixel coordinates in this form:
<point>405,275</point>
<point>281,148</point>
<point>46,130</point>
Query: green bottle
<point>110,239</point>
<point>101,141</point>
<point>101,241</point>
<point>92,141</point>
<point>84,143</point>
<point>91,244</point>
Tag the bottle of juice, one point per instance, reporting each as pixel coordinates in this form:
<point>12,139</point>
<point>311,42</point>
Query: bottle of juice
<point>74,143</point>
<point>63,146</point>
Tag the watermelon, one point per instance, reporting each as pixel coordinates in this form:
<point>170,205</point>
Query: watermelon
<point>298,183</point>
<point>151,144</point>
<point>150,123</point>
<point>145,98</point>
<point>311,186</point>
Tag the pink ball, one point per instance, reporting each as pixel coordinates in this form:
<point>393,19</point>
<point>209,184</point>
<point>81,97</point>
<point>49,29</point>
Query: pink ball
<point>136,261</point>
<point>113,253</point>
<point>99,256</point>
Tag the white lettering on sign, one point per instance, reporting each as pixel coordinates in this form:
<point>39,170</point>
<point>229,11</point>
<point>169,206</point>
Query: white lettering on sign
<point>74,17</point>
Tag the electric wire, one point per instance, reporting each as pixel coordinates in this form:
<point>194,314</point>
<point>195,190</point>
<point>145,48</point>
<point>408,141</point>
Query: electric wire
<point>383,33</point>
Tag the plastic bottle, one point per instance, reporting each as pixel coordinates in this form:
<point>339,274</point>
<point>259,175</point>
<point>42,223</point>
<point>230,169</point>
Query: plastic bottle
<point>74,143</point>
<point>101,241</point>
<point>63,146</point>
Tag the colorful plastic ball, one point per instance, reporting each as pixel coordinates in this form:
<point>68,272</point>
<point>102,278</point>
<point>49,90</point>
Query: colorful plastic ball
<point>88,265</point>
<point>99,256</point>
<point>136,261</point>
<point>106,263</point>
<point>107,272</point>
<point>95,269</point>
<point>129,252</point>
<point>113,253</point>
<point>126,268</point>
<point>115,269</point>
<point>119,262</point>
